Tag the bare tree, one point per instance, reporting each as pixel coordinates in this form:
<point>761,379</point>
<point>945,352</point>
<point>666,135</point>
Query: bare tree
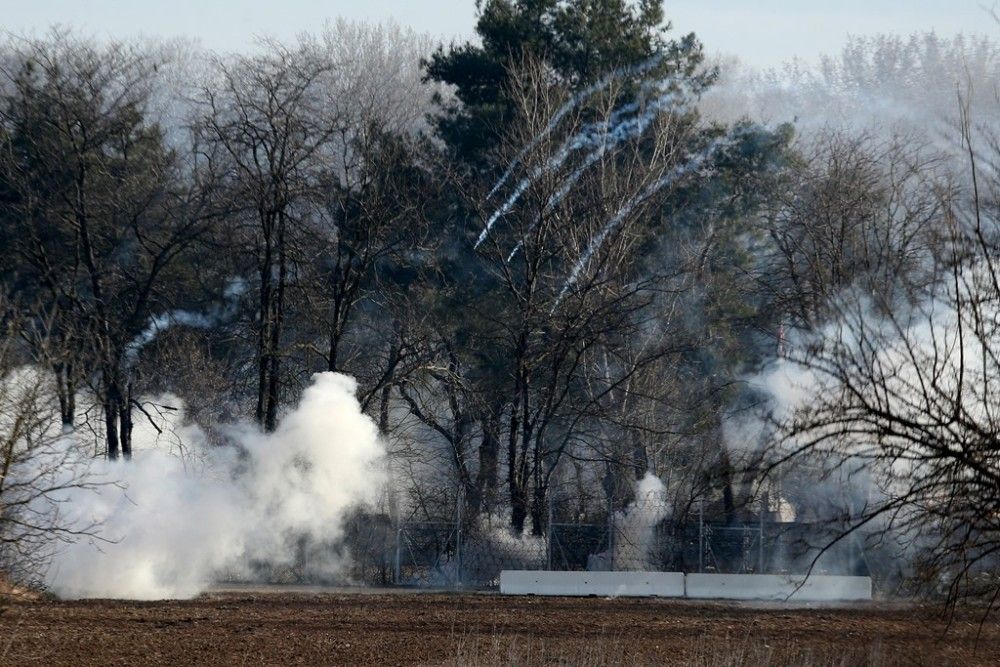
<point>96,209</point>
<point>562,289</point>
<point>40,466</point>
<point>268,131</point>
<point>903,393</point>
<point>855,209</point>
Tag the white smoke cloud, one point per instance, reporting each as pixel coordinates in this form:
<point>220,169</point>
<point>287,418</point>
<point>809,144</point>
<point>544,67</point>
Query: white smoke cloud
<point>635,539</point>
<point>931,360</point>
<point>167,528</point>
<point>883,84</point>
<point>636,526</point>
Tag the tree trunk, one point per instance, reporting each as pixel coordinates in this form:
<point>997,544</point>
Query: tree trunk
<point>519,509</point>
<point>264,334</point>
<point>272,304</point>
<point>538,511</point>
<point>117,416</point>
<point>383,410</point>
<point>489,458</point>
<point>640,462</point>
<point>66,393</point>
<point>125,422</point>
<point>518,506</point>
<point>336,335</point>
<point>111,428</point>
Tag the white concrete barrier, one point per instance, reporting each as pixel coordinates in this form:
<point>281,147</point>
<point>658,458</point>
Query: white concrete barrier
<point>815,588</point>
<point>605,584</point>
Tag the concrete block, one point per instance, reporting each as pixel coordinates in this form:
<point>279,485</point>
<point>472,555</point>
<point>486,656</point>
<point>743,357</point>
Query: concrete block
<point>605,584</point>
<point>816,588</point>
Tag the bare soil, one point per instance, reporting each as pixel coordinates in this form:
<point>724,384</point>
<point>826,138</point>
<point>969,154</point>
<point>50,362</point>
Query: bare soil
<point>387,628</point>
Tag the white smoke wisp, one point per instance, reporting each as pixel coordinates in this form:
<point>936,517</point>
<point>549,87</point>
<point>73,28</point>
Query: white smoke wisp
<point>693,164</point>
<point>166,531</point>
<point>635,528</point>
<point>625,124</point>
<point>515,551</point>
<point>495,546</point>
<point>574,102</point>
<point>214,316</point>
<point>635,540</point>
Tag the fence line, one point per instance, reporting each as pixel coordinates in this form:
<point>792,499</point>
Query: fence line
<point>471,551</point>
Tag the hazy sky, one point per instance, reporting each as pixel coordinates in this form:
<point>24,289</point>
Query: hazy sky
<point>762,32</point>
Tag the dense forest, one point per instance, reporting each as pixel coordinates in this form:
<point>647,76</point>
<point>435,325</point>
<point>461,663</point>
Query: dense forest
<point>556,260</point>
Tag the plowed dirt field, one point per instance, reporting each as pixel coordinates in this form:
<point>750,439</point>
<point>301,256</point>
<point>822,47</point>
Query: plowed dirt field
<point>391,628</point>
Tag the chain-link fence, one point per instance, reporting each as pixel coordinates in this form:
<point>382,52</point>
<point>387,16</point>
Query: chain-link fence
<point>471,551</point>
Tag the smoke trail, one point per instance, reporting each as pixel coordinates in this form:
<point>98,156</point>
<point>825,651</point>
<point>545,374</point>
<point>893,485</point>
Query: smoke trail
<point>601,136</point>
<point>593,157</point>
<point>513,253</point>
<point>213,317</point>
<point>166,531</point>
<point>564,190</point>
<point>503,210</point>
<point>571,104</point>
<point>693,164</point>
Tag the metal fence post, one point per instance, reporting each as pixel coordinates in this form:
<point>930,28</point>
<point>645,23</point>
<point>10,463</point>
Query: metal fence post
<point>760,535</point>
<point>458,539</point>
<point>701,534</point>
<point>608,482</point>
<point>549,533</point>
<point>399,548</point>
<point>611,533</point>
<point>852,570</point>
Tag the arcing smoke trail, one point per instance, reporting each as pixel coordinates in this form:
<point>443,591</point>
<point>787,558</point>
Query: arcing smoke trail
<point>562,192</point>
<point>214,316</point>
<point>565,189</point>
<point>571,104</point>
<point>167,532</point>
<point>599,136</point>
<point>602,148</point>
<point>693,164</point>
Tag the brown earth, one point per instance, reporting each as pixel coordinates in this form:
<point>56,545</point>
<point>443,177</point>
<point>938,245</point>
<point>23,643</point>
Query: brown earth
<point>391,628</point>
<point>10,591</point>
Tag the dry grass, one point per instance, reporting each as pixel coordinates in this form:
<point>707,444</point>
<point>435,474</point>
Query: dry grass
<point>489,651</point>
<point>609,651</point>
<point>746,652</point>
<point>357,629</point>
<point>12,592</point>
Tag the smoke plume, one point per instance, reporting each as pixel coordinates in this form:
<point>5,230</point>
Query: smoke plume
<point>167,528</point>
<point>635,543</point>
